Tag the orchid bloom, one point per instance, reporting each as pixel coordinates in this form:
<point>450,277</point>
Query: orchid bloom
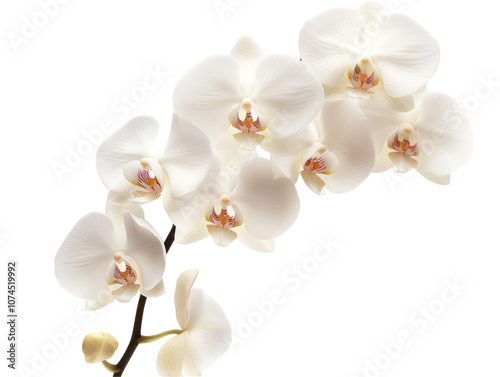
<point>205,336</point>
<point>251,206</point>
<point>339,152</point>
<point>369,53</point>
<point>257,96</point>
<point>130,166</point>
<point>98,263</point>
<point>435,138</point>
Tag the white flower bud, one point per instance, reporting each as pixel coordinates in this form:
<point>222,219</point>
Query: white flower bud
<point>99,346</point>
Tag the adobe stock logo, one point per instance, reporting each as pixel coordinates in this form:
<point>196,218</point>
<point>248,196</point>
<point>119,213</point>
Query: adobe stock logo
<point>419,321</point>
<point>223,6</point>
<point>122,107</point>
<point>34,24</point>
<point>292,279</point>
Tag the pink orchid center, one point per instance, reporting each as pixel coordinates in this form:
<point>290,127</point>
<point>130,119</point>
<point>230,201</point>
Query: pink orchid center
<point>246,119</point>
<point>322,161</point>
<point>148,180</point>
<point>122,272</point>
<point>404,141</point>
<point>249,122</point>
<point>403,144</point>
<point>363,76</point>
<point>144,174</point>
<point>223,215</point>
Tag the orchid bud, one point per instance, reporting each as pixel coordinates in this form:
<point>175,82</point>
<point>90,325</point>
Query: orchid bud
<point>99,346</point>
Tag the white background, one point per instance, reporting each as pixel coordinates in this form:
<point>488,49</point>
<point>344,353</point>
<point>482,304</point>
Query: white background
<point>400,238</point>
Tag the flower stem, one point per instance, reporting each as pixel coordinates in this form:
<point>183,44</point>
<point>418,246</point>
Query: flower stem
<point>119,368</point>
<point>136,334</point>
<point>111,367</point>
<point>170,239</point>
<point>153,338</point>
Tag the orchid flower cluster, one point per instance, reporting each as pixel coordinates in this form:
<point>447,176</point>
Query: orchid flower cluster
<point>354,103</point>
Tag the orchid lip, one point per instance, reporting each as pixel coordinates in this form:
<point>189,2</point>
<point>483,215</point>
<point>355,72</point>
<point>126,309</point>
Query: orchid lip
<point>122,274</point>
<point>148,180</point>
<point>245,118</point>
<point>145,175</point>
<point>322,161</point>
<point>363,77</point>
<point>222,217</point>
<point>404,148</point>
<point>223,214</point>
<point>249,122</point>
<point>404,141</point>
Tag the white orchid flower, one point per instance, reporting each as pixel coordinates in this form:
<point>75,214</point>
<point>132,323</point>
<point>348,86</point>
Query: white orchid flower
<point>205,336</point>
<point>339,152</point>
<point>435,138</point>
<point>257,96</point>
<point>98,263</point>
<point>250,205</point>
<point>369,53</point>
<point>130,165</point>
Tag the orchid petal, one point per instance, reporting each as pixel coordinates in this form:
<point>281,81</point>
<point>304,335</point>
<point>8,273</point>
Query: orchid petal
<point>383,162</point>
<point>171,356</point>
<point>194,234</point>
<point>385,101</point>
<point>248,53</point>
<point>287,93</point>
<point>346,133</point>
<point>405,54</point>
<point>292,145</point>
<point>207,92</point>
<point>157,290</point>
<point>221,236</point>
<point>382,122</point>
<point>104,299</point>
<point>315,183</point>
<point>187,212</point>
<point>182,293</point>
<point>116,204</point>
<point>84,256</point>
<point>269,206</point>
<point>208,328</point>
<point>146,248</point>
<point>288,166</point>
<point>445,134</point>
<point>372,12</point>
<point>329,42</point>
<point>402,164</point>
<point>133,141</point>
<point>248,141</point>
<point>126,293</point>
<point>187,158</point>
<point>439,179</point>
<point>189,367</point>
<point>264,246</point>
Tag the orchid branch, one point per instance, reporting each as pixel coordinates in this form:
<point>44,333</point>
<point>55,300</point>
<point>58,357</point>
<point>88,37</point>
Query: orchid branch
<point>154,338</point>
